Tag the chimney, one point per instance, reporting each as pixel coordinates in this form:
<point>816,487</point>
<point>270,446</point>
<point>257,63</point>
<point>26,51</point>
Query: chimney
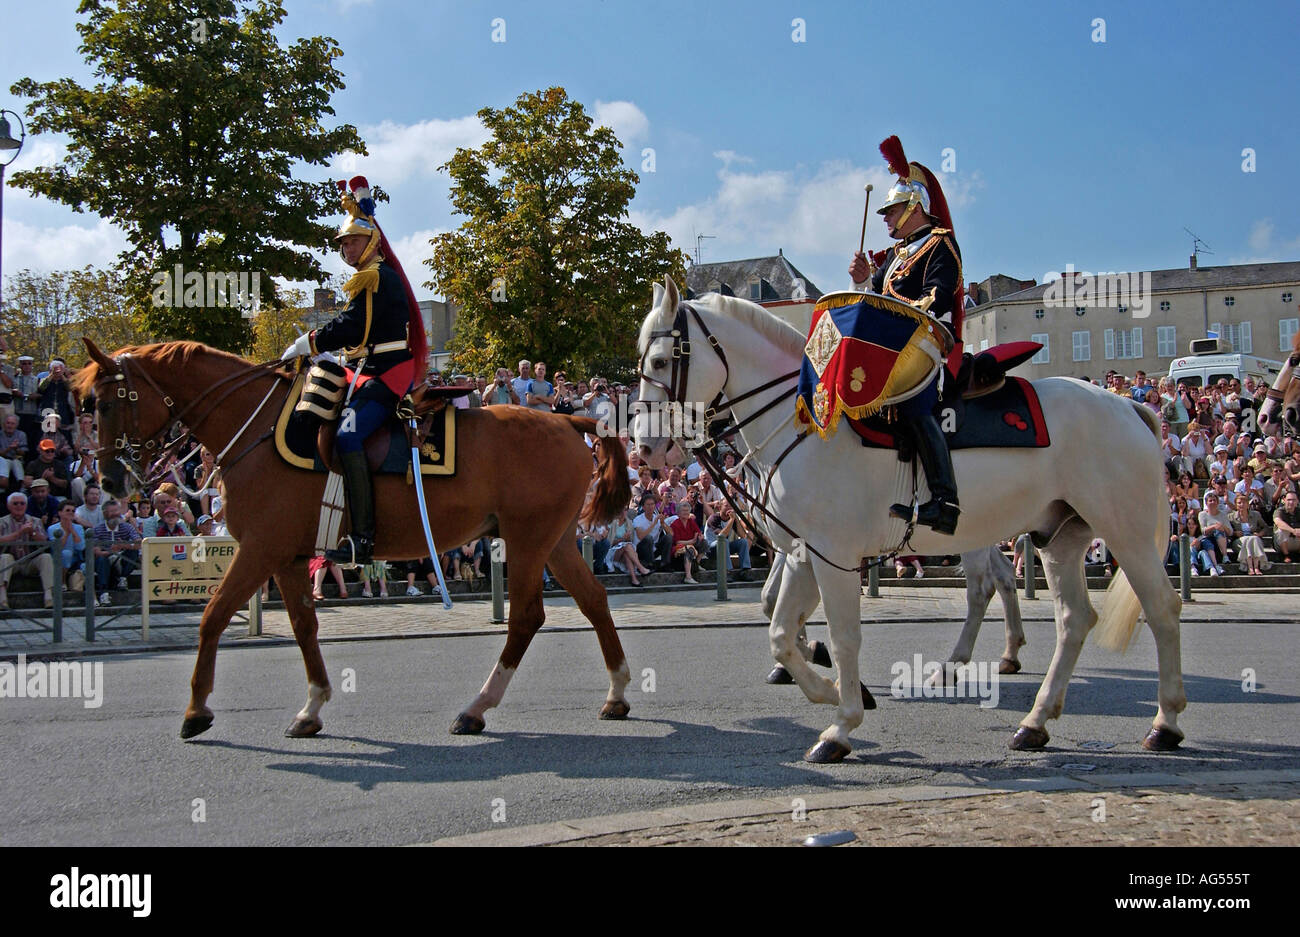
<point>1192,264</point>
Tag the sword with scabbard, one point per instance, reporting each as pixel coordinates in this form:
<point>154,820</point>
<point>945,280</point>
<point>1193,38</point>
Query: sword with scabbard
<point>418,481</point>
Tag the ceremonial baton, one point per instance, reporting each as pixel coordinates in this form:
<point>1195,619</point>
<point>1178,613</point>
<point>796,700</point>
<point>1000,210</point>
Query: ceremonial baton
<point>418,480</point>
<point>865,209</point>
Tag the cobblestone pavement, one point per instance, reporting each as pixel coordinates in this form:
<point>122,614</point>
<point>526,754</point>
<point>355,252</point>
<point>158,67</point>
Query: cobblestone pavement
<point>672,607</point>
<point>1200,808</point>
<point>1216,815</point>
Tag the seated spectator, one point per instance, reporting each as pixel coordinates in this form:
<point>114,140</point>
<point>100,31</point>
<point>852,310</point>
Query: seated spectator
<point>1220,464</point>
<point>17,525</point>
<point>622,556</point>
<point>725,523</point>
<point>207,479</point>
<point>171,524</point>
<point>317,567</point>
<point>1188,488</point>
<point>1249,528</point>
<point>653,542</point>
<point>205,525</point>
<point>1171,449</point>
<point>117,550</point>
<point>672,488</point>
<point>1251,487</point>
<point>86,441</point>
<point>13,454</point>
<point>1259,459</point>
<point>688,539</point>
<point>421,567</point>
<point>165,497</point>
<point>1177,526</point>
<point>902,562</point>
<point>710,494</point>
<point>377,570</point>
<point>1277,486</point>
<point>72,539</point>
<point>49,469</point>
<point>1286,527</point>
<point>644,485</point>
<point>53,429</point>
<point>41,504</point>
<point>1216,523</point>
<point>82,471</point>
<point>1201,548</point>
<point>1236,443</point>
<point>600,543</point>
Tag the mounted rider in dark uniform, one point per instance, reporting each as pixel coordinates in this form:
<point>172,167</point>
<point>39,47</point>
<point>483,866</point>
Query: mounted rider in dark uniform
<point>923,269</point>
<point>381,335</point>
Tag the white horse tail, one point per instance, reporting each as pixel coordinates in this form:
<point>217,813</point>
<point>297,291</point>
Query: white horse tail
<point>1121,608</point>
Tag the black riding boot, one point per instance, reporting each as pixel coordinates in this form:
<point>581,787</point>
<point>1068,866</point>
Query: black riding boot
<point>358,548</point>
<point>941,511</point>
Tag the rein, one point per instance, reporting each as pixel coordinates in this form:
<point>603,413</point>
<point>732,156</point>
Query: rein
<point>676,391</point>
<point>140,446</point>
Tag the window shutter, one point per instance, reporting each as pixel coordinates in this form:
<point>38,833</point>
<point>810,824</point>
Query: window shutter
<point>1217,329</point>
<point>1137,342</point>
<point>1245,348</point>
<point>1110,344</point>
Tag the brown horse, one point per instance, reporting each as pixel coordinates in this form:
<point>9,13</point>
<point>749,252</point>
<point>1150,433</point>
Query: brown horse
<point>272,508</point>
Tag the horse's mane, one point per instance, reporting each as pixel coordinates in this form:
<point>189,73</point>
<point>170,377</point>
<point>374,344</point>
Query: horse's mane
<point>776,330</point>
<point>169,354</point>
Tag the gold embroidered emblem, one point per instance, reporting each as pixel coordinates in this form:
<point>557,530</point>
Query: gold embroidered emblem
<point>823,342</point>
<point>858,376</point>
<point>821,403</point>
<point>430,451</point>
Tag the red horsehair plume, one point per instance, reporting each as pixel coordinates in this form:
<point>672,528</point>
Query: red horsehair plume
<point>892,149</point>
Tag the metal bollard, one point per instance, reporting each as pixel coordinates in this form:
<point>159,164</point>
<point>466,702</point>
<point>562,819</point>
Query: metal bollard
<point>1027,551</point>
<point>1185,566</point>
<point>498,581</point>
<point>255,614</point>
<point>587,543</point>
<point>56,561</point>
<point>721,559</point>
<point>90,587</point>
<point>873,580</point>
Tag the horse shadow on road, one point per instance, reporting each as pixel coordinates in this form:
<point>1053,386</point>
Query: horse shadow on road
<point>766,756</point>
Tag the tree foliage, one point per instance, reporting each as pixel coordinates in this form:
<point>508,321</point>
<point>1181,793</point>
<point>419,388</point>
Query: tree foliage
<point>45,315</point>
<point>187,141</point>
<point>546,263</point>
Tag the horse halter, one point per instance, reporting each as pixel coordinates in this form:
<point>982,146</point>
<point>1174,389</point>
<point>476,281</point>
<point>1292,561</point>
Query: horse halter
<point>681,358</point>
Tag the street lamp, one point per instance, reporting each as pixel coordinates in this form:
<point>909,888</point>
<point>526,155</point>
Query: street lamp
<point>7,142</point>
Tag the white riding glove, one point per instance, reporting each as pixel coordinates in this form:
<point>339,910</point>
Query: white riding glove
<point>299,349</point>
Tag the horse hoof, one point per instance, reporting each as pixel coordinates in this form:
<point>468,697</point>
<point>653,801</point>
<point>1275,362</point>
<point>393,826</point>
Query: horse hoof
<point>195,725</point>
<point>826,753</point>
<point>868,701</point>
<point>1162,740</point>
<point>1027,739</point>
<point>1008,666</point>
<point>779,675</point>
<point>613,709</point>
<point>466,724</point>
<point>303,728</point>
<point>821,654</point>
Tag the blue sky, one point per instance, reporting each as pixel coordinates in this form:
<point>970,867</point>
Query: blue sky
<point>1067,150</point>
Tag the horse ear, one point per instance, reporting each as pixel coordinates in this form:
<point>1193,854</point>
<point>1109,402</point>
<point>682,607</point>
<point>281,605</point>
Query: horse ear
<point>658,296</point>
<point>671,296</point>
<point>104,361</point>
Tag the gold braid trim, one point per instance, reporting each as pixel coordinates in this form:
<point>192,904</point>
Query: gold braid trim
<point>366,279</point>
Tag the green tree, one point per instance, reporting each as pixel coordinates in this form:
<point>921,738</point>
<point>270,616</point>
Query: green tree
<point>275,329</point>
<point>45,315</point>
<point>188,140</point>
<point>546,263</point>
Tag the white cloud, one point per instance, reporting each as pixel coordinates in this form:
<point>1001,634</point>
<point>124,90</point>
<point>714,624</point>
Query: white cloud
<point>1262,248</point>
<point>43,249</point>
<point>731,156</point>
<point>402,151</point>
<point>413,250</point>
<point>623,117</point>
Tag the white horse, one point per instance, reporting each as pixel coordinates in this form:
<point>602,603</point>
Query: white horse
<point>835,496</point>
<point>987,571</point>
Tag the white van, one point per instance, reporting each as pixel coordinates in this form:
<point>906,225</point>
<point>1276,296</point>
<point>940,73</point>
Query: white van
<point>1212,359</point>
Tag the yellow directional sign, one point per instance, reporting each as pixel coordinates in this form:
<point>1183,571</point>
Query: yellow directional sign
<point>188,568</point>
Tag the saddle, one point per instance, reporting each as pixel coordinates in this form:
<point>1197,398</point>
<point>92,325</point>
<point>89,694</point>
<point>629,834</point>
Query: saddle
<point>306,441</point>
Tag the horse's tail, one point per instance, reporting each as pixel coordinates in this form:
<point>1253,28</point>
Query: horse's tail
<point>613,487</point>
<point>1121,608</point>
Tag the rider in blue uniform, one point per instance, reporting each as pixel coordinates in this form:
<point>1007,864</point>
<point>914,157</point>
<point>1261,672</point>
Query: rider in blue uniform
<point>923,268</point>
<point>381,334</point>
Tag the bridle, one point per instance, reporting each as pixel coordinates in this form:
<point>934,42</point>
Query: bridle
<point>1285,378</point>
<point>706,452</point>
<point>129,450</point>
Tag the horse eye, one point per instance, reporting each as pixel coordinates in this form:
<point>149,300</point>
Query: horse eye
<point>659,364</point>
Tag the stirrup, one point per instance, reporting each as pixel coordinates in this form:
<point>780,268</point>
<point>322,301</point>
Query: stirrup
<point>345,555</point>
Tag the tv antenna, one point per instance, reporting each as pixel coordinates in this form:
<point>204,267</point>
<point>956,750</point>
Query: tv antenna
<point>1198,246</point>
<point>698,238</point>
